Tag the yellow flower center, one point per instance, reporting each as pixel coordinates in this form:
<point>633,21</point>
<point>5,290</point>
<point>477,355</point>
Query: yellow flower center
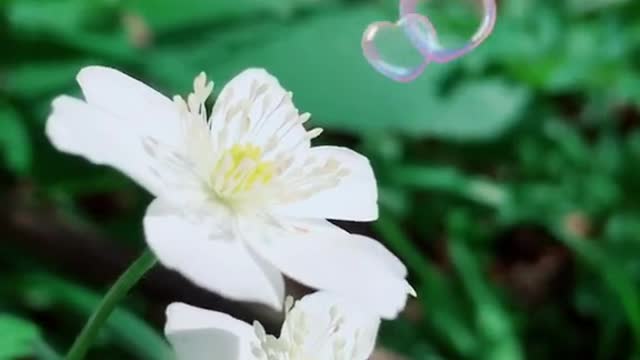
<point>240,169</point>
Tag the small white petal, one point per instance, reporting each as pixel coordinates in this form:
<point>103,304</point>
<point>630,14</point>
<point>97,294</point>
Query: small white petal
<point>320,255</point>
<point>199,334</point>
<point>359,328</point>
<point>354,198</point>
<point>222,265</point>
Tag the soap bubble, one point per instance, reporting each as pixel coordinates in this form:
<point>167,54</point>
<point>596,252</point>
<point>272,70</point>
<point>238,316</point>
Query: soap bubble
<point>402,50</point>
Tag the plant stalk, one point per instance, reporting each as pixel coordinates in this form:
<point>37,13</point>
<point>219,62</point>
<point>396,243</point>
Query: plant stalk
<point>118,291</point>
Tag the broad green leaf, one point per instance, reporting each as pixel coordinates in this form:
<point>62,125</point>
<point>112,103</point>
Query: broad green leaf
<point>481,109</point>
<point>162,15</point>
<point>320,60</point>
<point>88,26</point>
<point>34,15</point>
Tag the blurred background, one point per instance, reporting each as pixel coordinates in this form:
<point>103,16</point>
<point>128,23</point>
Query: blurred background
<point>509,179</point>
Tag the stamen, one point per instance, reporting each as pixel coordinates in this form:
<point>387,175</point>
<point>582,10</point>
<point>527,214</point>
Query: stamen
<point>181,104</point>
<point>294,342</point>
<point>264,115</point>
<point>304,118</point>
<point>314,133</point>
<point>229,164</point>
<point>241,170</point>
<point>261,334</point>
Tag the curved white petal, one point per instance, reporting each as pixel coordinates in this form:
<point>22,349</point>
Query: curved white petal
<point>81,129</point>
<point>199,334</point>
<point>376,250</point>
<point>141,108</point>
<point>358,329</point>
<point>354,198</point>
<point>253,108</point>
<point>209,258</point>
<point>112,125</point>
<point>323,256</point>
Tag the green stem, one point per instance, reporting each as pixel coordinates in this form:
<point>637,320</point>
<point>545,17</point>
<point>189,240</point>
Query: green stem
<point>119,289</point>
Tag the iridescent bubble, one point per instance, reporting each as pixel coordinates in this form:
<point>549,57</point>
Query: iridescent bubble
<point>430,44</point>
<point>391,48</point>
<point>418,31</point>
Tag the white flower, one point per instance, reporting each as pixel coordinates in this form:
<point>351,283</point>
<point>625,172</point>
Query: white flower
<point>318,327</point>
<point>240,196</point>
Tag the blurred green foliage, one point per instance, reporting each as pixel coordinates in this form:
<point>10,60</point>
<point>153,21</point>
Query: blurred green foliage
<point>509,179</point>
<point>19,337</point>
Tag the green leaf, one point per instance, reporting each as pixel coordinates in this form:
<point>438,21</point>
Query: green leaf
<point>41,78</point>
<point>162,15</point>
<point>444,311</point>
<point>581,6</point>
<point>18,337</point>
<point>15,144</point>
<point>87,26</point>
<point>123,327</point>
<point>44,351</point>
<point>481,109</point>
<point>450,180</point>
<point>55,14</point>
<point>492,318</point>
<point>333,81</point>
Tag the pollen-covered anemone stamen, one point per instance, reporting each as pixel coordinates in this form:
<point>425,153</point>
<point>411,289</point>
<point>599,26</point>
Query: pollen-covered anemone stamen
<point>241,169</point>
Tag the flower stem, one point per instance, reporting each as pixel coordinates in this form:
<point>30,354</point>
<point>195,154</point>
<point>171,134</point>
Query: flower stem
<point>119,289</point>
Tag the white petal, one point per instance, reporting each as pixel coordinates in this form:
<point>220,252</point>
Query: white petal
<point>111,127</point>
<point>267,106</point>
<point>141,108</point>
<point>354,198</point>
<point>323,256</point>
<point>359,329</point>
<point>375,249</point>
<point>81,129</point>
<point>203,255</point>
<point>199,334</point>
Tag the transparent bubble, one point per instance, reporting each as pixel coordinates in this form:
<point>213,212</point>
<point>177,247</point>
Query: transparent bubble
<point>391,48</point>
<point>402,50</point>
